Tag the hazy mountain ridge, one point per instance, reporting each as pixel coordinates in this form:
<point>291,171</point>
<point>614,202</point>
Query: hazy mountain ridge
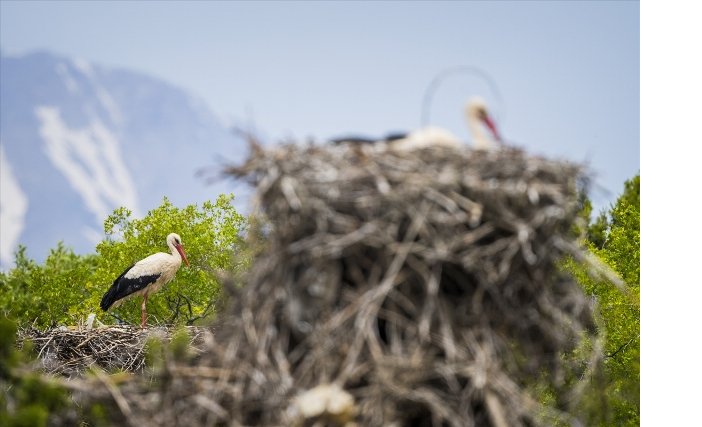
<point>78,140</point>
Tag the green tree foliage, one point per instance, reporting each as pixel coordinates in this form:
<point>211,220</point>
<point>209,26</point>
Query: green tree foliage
<point>46,294</point>
<point>210,235</point>
<point>615,238</point>
<point>67,287</point>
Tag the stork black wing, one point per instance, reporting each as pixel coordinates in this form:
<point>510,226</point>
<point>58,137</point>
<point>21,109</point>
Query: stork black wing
<point>356,139</point>
<point>394,136</point>
<point>123,287</point>
<point>353,139</point>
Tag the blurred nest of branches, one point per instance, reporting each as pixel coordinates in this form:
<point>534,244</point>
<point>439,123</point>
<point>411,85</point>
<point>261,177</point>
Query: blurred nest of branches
<point>395,288</point>
<point>424,283</point>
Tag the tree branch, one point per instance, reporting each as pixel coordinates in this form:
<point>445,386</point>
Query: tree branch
<point>622,347</point>
<point>204,314</point>
<point>176,311</point>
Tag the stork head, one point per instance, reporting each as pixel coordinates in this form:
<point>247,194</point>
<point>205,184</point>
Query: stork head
<point>476,109</point>
<point>174,242</point>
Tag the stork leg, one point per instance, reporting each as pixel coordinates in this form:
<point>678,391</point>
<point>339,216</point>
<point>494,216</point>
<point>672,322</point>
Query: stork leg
<point>143,312</point>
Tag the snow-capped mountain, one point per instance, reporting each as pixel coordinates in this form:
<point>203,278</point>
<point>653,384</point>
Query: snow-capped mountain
<point>78,140</point>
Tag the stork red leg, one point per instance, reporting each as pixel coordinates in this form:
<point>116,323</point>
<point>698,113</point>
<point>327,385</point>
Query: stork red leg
<point>143,312</point>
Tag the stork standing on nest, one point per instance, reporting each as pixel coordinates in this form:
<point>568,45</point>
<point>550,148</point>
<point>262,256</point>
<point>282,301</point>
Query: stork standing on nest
<point>147,276</point>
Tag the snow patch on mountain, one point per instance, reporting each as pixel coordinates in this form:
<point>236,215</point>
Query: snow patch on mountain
<point>109,104</point>
<point>91,160</point>
<point>13,207</point>
<point>83,139</point>
<point>83,66</point>
<point>106,100</point>
<point>68,80</point>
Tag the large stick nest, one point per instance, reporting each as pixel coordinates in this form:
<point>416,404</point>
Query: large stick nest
<point>396,288</point>
<point>70,351</point>
<point>424,283</point>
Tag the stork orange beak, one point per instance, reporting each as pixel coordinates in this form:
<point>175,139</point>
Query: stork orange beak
<point>182,254</point>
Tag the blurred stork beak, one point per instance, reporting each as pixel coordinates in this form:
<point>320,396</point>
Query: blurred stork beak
<point>491,125</point>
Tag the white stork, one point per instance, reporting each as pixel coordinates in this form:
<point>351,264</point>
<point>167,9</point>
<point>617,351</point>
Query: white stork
<point>146,276</point>
<point>477,117</point>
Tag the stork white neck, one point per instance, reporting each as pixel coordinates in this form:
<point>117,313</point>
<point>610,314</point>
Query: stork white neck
<point>478,119</point>
<point>174,251</point>
<point>480,140</point>
<point>174,244</point>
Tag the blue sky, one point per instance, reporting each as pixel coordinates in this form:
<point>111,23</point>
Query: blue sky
<point>567,72</point>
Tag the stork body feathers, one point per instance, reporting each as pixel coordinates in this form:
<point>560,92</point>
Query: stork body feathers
<point>425,137</point>
<point>135,280</point>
